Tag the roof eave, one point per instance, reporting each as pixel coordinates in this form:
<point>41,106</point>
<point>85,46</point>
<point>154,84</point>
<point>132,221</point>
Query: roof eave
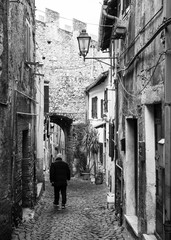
<point>100,79</point>
<point>105,26</point>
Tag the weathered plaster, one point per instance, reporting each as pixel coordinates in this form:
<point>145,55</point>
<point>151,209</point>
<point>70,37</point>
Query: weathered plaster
<point>153,94</point>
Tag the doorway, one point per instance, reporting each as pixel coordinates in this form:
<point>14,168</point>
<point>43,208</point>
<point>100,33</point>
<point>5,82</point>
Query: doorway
<point>159,169</point>
<point>131,172</point>
<point>25,168</point>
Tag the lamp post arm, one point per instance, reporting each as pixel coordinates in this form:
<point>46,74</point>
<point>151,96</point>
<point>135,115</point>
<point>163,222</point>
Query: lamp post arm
<point>99,60</point>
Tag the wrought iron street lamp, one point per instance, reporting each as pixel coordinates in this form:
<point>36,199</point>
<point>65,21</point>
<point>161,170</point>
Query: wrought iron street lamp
<point>84,44</point>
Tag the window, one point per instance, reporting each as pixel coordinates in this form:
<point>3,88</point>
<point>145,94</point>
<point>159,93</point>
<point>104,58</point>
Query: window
<point>101,152</point>
<point>105,100</point>
<point>131,166</point>
<point>94,107</point>
<point>158,135</point>
<point>102,108</point>
<point>46,98</point>
<point>157,124</point>
<point>111,140</point>
<point>28,42</point>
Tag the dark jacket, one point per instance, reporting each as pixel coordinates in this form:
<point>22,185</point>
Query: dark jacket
<point>59,173</point>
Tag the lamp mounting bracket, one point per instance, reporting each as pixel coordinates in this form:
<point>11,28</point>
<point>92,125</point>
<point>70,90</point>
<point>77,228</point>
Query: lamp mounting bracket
<point>99,59</point>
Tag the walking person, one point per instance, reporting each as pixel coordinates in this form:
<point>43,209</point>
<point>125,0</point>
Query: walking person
<point>59,174</point>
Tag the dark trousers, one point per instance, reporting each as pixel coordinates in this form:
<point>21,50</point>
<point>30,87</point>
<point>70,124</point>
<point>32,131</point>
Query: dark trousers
<point>57,191</point>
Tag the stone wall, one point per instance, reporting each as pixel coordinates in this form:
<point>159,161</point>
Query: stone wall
<point>143,85</point>
<point>21,76</point>
<point>5,132</point>
<point>16,80</point>
<point>67,73</point>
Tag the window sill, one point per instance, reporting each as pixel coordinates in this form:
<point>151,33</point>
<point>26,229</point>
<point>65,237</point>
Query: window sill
<point>133,223</point>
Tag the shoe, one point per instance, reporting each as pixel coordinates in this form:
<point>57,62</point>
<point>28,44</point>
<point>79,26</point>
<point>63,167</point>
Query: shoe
<point>56,205</point>
<point>63,206</point>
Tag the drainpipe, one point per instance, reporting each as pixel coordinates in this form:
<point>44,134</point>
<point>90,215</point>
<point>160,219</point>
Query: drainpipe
<point>104,8</point>
<point>116,119</point>
<point>167,224</point>
<point>13,136</point>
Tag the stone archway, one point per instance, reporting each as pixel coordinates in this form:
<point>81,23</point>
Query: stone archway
<point>65,122</point>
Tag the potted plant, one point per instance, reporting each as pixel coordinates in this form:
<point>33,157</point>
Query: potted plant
<point>91,144</point>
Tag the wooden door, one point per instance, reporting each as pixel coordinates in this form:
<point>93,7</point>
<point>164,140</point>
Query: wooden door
<point>159,169</point>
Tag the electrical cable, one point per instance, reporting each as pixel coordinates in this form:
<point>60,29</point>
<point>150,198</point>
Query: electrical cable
<point>135,95</point>
<point>69,19</point>
<point>130,94</point>
<point>74,68</point>
<point>127,100</point>
<point>141,30</point>
<point>161,27</point>
<point>158,62</point>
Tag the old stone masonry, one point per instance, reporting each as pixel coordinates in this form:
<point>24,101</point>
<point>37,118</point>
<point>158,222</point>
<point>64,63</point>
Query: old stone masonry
<point>86,216</point>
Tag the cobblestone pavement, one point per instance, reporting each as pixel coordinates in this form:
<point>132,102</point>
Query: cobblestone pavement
<point>86,216</point>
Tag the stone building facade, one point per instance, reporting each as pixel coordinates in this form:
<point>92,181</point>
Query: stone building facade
<point>17,112</point>
<point>65,73</point>
<point>5,134</point>
<point>142,112</point>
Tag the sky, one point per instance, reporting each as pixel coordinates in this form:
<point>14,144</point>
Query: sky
<point>87,11</point>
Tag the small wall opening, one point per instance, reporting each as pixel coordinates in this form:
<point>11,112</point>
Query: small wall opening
<point>131,170</point>
<point>26,169</point>
<point>131,173</point>
<point>150,197</point>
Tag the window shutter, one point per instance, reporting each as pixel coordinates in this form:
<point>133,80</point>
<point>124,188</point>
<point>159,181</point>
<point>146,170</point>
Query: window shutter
<point>101,152</point>
<point>46,99</point>
<point>102,102</point>
<point>111,140</point>
<point>94,107</point>
<point>105,100</point>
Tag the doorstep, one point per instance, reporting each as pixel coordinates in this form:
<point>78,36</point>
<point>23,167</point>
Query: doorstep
<point>149,237</point>
<point>39,189</point>
<point>28,214</point>
<point>133,223</point>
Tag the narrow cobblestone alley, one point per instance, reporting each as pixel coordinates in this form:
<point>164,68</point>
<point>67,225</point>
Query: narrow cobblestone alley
<point>86,216</point>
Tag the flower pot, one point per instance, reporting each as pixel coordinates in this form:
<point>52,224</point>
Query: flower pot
<point>99,178</point>
<point>86,176</point>
<point>110,200</point>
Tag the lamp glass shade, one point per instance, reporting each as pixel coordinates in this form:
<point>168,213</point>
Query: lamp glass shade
<point>83,43</point>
